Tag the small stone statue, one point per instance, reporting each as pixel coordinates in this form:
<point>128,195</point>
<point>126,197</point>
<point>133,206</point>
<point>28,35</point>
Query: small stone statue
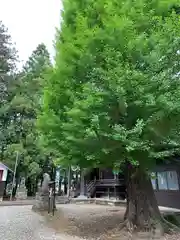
<point>42,198</point>
<point>45,184</point>
<point>23,181</point>
<point>21,193</point>
<point>39,186</point>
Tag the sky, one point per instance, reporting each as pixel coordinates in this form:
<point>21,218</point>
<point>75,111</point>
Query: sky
<point>31,22</point>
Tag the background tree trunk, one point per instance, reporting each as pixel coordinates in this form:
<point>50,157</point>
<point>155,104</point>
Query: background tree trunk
<point>16,186</point>
<point>142,211</point>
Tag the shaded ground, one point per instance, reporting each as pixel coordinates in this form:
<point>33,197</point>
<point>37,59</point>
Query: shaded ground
<point>86,221</point>
<point>96,222</point>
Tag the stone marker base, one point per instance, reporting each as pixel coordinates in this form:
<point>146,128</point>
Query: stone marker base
<point>82,197</point>
<point>113,202</point>
<point>21,195</point>
<point>62,200</point>
<point>100,201</point>
<point>41,203</point>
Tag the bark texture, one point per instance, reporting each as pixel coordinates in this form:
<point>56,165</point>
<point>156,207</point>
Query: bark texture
<point>142,211</point>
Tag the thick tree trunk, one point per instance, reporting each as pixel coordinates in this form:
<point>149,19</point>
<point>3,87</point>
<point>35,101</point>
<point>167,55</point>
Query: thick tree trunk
<point>60,183</point>
<point>82,184</point>
<point>65,183</point>
<point>142,211</point>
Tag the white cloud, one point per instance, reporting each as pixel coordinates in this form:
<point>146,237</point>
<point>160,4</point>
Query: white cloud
<point>31,22</point>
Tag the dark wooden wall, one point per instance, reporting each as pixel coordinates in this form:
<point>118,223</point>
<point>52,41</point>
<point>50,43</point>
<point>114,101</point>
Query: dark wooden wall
<point>106,173</point>
<point>168,198</point>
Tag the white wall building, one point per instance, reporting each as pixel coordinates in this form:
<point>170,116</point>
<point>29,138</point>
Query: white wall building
<point>3,178</point>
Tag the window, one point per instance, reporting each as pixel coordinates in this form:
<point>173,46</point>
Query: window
<point>172,180</point>
<point>167,180</point>
<point>162,181</point>
<point>153,180</point>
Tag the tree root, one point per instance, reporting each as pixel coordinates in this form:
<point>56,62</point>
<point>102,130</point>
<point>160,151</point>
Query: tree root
<point>123,224</point>
<point>134,233</point>
<point>169,227</point>
<point>162,226</point>
<point>156,229</point>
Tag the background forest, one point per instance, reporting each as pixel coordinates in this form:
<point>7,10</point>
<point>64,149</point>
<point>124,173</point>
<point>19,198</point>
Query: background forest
<point>20,102</point>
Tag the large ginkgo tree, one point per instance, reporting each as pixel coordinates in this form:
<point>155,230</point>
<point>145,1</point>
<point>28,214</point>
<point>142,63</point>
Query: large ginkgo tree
<point>113,98</point>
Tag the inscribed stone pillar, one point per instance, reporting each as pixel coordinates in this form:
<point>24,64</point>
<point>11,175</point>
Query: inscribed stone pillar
<point>82,185</point>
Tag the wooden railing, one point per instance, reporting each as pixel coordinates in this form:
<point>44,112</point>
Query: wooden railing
<point>90,186</point>
<point>109,181</point>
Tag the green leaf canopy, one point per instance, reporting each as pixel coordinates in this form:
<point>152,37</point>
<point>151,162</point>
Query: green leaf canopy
<point>114,93</point>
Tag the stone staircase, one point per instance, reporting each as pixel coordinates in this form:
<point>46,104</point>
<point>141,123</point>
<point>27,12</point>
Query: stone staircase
<point>90,188</point>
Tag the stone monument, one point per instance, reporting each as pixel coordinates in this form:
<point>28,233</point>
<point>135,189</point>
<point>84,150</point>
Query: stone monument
<point>21,190</point>
<point>82,195</point>
<point>42,197</point>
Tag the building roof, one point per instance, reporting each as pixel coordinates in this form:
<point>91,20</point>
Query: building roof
<point>5,167</point>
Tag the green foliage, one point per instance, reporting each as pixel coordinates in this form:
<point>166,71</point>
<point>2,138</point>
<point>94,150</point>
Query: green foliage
<point>8,55</point>
<point>37,64</point>
<point>7,79</point>
<point>19,115</point>
<point>26,104</point>
<point>114,93</point>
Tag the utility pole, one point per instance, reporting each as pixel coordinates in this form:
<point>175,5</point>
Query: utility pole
<point>14,175</point>
<point>69,181</point>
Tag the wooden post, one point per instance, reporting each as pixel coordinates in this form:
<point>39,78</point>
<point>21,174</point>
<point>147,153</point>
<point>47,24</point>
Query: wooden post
<point>115,192</point>
<point>82,183</point>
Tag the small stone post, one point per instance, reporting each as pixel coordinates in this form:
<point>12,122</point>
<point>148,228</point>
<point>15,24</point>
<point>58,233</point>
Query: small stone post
<point>21,190</point>
<point>82,186</point>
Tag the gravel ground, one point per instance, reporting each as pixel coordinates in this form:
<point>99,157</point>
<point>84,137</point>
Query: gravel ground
<point>81,221</point>
<point>21,223</point>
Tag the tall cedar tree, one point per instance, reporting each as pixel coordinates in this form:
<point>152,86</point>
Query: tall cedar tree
<point>114,96</point>
<point>8,59</point>
<point>24,107</point>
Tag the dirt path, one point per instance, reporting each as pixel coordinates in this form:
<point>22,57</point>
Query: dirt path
<point>96,222</point>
